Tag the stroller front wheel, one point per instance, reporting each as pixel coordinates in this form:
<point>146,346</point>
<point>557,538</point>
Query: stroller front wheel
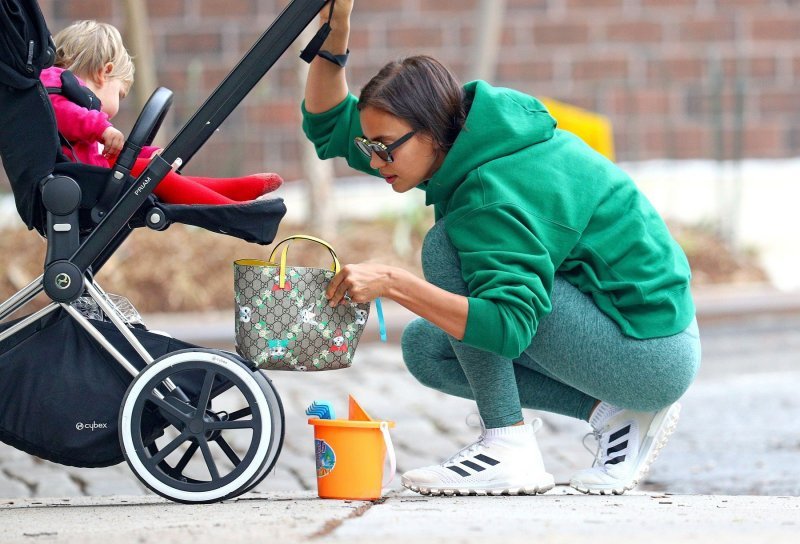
<point>184,449</point>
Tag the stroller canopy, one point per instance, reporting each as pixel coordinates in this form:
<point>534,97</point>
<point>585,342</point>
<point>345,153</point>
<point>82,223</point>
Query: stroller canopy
<point>26,46</point>
<point>29,145</point>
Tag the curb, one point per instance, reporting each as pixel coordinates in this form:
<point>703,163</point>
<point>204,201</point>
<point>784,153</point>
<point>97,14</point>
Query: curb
<point>739,302</point>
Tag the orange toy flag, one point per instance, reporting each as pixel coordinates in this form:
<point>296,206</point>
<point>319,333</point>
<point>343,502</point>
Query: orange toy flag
<point>356,412</point>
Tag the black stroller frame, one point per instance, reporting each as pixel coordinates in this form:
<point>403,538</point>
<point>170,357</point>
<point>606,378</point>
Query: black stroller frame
<point>166,414</point>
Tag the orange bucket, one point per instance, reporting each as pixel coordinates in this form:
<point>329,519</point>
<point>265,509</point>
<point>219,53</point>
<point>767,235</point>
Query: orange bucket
<point>350,455</point>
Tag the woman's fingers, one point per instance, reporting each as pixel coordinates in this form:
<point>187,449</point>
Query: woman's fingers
<point>347,280</point>
<point>336,288</point>
<point>361,282</point>
<point>338,296</point>
<point>338,292</point>
<point>341,10</point>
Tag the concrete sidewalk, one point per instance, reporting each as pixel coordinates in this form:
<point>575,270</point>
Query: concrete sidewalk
<point>729,473</point>
<point>558,516</point>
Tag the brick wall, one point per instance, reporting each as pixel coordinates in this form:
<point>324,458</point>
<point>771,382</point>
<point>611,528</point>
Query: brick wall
<point>679,79</point>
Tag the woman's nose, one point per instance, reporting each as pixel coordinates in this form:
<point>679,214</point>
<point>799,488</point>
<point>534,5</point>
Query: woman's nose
<point>376,162</point>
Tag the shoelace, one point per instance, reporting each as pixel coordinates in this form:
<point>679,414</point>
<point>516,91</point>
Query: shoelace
<point>598,436</point>
<point>466,452</point>
<point>471,419</point>
<point>474,420</point>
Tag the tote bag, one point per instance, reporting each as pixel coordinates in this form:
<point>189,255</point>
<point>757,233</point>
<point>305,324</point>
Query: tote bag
<point>283,320</point>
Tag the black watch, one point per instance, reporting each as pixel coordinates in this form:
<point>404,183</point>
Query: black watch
<point>339,60</point>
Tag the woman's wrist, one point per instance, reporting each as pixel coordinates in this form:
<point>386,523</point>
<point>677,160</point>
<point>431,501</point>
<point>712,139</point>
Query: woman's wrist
<point>395,280</point>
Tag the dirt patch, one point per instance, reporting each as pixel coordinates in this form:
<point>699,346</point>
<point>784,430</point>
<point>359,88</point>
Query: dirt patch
<point>189,269</point>
<point>712,260</point>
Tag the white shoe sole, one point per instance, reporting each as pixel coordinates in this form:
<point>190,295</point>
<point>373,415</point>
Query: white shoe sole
<point>543,485</point>
<point>652,447</point>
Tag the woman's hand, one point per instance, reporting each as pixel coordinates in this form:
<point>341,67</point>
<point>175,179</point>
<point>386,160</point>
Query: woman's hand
<point>341,11</point>
<point>361,282</point>
<point>367,281</point>
<point>326,85</point>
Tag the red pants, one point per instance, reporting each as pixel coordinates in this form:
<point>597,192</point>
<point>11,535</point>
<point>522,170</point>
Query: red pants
<point>179,189</point>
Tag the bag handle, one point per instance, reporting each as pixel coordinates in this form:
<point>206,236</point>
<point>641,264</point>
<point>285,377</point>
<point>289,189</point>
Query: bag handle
<point>389,476</point>
<point>335,267</point>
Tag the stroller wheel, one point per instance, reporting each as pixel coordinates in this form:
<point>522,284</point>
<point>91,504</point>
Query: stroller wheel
<point>185,449</point>
<point>276,409</point>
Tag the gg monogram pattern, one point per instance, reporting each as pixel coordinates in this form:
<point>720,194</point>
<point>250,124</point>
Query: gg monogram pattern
<point>293,328</point>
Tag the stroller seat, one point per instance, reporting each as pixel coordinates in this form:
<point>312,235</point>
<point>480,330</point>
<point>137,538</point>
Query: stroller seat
<point>194,424</point>
<point>256,221</point>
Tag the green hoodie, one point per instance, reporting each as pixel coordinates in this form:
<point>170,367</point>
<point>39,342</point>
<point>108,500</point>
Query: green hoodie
<point>523,200</point>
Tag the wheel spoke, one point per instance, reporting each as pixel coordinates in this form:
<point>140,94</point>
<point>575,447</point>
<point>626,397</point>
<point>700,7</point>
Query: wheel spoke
<point>187,456</point>
<point>169,448</point>
<point>169,408</point>
<point>210,463</point>
<point>238,414</point>
<point>228,451</point>
<point>225,425</point>
<point>205,392</point>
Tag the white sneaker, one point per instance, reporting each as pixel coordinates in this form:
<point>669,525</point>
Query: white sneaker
<point>502,461</point>
<point>628,443</point>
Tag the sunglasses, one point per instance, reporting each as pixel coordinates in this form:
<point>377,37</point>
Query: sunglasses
<point>383,151</point>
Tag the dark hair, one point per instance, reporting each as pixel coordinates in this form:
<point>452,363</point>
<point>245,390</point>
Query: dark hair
<point>424,93</point>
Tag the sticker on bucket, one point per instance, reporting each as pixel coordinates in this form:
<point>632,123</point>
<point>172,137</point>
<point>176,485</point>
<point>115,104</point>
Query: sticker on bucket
<point>326,458</point>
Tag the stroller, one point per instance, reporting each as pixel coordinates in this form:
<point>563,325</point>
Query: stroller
<point>195,425</point>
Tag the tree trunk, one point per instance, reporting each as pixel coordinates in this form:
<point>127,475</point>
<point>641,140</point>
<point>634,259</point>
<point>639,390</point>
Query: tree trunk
<point>490,16</point>
<point>139,44</point>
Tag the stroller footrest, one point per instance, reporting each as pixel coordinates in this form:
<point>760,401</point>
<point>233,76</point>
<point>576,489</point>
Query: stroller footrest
<point>255,221</point>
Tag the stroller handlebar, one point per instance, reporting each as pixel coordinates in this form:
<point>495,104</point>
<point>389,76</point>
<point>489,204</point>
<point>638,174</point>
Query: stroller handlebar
<point>142,134</point>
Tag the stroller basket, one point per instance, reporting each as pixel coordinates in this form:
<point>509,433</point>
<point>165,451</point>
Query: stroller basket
<point>195,425</point>
<point>47,372</point>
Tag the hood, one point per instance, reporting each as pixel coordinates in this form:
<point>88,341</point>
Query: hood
<point>25,43</point>
<point>500,122</point>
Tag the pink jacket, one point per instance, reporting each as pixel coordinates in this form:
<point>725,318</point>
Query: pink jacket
<point>83,128</point>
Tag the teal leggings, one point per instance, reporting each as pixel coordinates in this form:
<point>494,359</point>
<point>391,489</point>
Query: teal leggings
<point>577,356</point>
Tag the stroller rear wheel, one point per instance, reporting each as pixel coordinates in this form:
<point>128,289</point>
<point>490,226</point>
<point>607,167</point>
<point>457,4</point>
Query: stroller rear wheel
<point>199,426</point>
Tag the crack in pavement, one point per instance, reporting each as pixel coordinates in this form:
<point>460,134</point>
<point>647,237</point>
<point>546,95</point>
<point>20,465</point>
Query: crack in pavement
<point>331,525</point>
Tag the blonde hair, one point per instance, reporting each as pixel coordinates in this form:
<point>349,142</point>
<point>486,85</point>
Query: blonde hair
<point>85,47</point>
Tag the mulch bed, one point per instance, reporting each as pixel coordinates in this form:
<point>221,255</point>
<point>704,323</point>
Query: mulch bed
<point>186,269</point>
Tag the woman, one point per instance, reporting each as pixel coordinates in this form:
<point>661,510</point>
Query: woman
<point>550,282</point>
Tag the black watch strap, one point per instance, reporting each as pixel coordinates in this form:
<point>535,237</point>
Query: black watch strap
<point>339,60</point>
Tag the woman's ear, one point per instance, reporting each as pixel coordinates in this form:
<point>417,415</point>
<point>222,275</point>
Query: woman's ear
<point>435,144</point>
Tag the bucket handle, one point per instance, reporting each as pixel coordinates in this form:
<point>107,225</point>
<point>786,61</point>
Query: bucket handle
<point>389,453</point>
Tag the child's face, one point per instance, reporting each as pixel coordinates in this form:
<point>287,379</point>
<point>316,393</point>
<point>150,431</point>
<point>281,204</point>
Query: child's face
<point>110,92</point>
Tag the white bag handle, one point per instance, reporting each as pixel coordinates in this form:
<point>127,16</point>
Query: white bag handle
<point>389,454</point>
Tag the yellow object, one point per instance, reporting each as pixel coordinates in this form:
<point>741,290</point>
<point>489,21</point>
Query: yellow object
<point>335,267</point>
<point>592,128</point>
<point>350,455</point>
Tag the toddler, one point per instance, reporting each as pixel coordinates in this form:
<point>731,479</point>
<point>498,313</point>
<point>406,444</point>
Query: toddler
<point>92,73</point>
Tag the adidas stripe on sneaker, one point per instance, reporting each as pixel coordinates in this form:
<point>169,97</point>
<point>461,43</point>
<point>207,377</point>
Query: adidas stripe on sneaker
<point>502,461</point>
<point>628,443</point>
